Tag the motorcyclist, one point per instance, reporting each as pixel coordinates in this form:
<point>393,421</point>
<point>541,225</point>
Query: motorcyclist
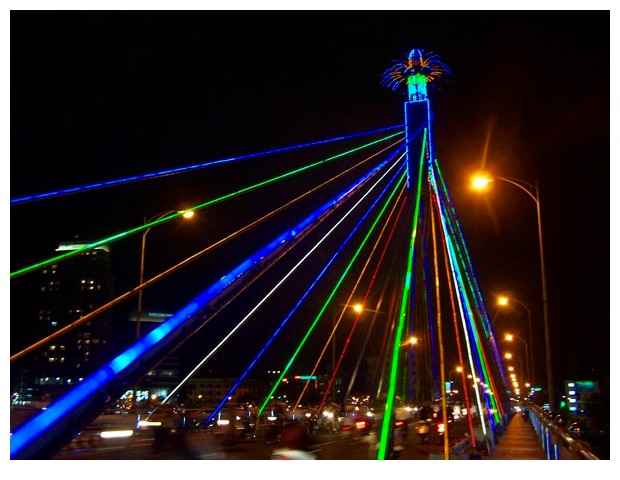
<point>294,443</point>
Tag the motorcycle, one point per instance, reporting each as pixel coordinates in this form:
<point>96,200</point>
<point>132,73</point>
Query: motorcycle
<point>424,432</point>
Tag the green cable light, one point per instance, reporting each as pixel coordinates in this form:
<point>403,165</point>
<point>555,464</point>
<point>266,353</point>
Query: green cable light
<point>197,207</point>
<point>331,295</point>
<point>389,406</point>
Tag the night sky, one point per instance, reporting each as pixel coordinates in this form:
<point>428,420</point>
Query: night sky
<point>103,95</point>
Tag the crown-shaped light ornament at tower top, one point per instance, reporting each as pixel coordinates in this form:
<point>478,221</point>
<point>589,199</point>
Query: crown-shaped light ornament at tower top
<point>416,71</point>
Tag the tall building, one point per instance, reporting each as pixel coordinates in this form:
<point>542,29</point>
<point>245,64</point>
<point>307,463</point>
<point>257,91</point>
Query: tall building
<point>69,290</point>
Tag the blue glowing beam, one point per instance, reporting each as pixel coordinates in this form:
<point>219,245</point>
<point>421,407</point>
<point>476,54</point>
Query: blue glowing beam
<point>303,297</point>
<point>174,171</point>
<point>34,432</point>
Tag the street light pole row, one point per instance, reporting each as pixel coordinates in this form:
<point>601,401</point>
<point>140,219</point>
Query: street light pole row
<point>509,337</point>
<point>532,191</point>
<point>503,301</point>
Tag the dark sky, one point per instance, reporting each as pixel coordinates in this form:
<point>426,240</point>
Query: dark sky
<point>102,95</point>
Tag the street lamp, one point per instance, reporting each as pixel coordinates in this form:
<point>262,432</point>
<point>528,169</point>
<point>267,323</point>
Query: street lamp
<point>531,190</point>
<point>358,308</point>
<point>504,301</point>
<point>159,216</point>
<point>411,341</point>
<point>510,356</point>
<point>509,337</point>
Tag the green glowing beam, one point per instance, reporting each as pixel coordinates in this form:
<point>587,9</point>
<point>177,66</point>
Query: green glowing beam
<point>197,207</point>
<point>331,295</point>
<point>389,406</point>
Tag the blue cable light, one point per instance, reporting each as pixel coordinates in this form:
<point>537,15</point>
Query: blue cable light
<point>173,171</point>
<point>45,421</point>
<point>298,304</point>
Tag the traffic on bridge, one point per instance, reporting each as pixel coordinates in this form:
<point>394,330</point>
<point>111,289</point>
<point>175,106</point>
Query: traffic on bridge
<point>321,300</point>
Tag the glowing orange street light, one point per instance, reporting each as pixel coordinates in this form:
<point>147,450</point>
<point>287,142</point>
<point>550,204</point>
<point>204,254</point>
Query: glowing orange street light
<point>185,214</point>
<point>357,308</point>
<point>510,356</point>
<point>509,337</point>
<point>410,341</point>
<point>503,301</point>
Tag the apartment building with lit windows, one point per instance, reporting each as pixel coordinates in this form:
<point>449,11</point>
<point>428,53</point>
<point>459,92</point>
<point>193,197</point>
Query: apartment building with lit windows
<point>69,290</point>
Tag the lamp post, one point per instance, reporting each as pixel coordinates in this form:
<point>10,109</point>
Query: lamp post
<point>509,338</point>
<point>358,307</point>
<point>159,216</point>
<point>503,301</point>
<point>532,191</point>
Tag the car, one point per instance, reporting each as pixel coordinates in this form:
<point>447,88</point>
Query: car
<point>439,423</point>
<point>232,425</point>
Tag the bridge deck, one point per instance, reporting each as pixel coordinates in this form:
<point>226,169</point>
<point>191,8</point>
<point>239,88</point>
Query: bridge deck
<point>519,442</point>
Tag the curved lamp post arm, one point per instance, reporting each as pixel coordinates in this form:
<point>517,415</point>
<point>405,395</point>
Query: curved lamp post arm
<point>154,218</point>
<point>522,185</point>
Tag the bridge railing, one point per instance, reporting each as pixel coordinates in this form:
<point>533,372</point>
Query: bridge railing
<point>557,443</point>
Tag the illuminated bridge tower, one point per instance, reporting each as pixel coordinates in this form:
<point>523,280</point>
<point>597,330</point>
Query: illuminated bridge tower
<point>413,74</point>
<point>437,249</point>
<point>416,71</point>
<point>431,216</point>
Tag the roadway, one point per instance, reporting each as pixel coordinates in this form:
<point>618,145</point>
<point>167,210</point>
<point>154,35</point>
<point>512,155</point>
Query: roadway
<point>205,445</point>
